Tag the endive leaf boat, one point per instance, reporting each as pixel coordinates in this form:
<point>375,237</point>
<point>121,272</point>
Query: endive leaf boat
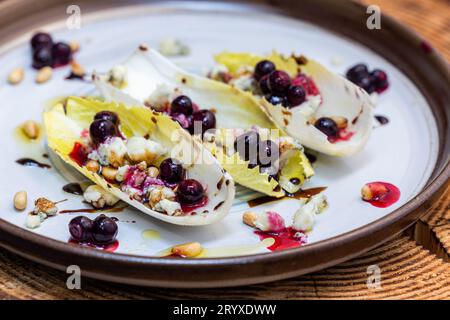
<point>143,158</point>
<point>149,79</point>
<point>322,110</point>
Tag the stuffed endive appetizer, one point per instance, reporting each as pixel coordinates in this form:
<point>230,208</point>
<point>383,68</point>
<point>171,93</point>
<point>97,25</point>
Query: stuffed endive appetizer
<point>322,110</point>
<point>142,157</point>
<point>212,111</point>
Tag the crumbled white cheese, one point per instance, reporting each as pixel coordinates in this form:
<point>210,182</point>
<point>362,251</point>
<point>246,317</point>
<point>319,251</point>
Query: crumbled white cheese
<point>217,70</point>
<point>168,193</point>
<point>45,207</point>
<point>173,47</point>
<point>121,172</point>
<point>245,82</point>
<point>99,197</point>
<point>160,97</point>
<point>33,221</point>
<point>112,152</point>
<point>305,216</point>
<point>131,191</point>
<point>167,206</point>
<point>141,149</point>
<point>116,152</point>
<point>116,76</point>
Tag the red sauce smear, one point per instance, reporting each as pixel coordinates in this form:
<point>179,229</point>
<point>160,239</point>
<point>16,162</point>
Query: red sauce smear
<point>384,194</point>
<point>343,135</point>
<point>191,207</point>
<point>111,247</point>
<point>79,154</point>
<point>284,239</point>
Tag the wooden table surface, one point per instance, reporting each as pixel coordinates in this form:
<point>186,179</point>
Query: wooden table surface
<point>414,265</point>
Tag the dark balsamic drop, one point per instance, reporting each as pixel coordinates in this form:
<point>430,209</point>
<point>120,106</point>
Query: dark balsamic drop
<point>28,162</point>
<point>73,188</point>
<point>382,120</point>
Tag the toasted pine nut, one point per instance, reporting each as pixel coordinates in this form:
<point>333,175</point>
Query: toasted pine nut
<point>142,165</point>
<point>153,172</point>
<point>44,74</point>
<point>77,69</point>
<point>366,193</point>
<point>341,122</point>
<point>189,250</point>
<point>20,200</point>
<point>16,76</point>
<point>249,218</point>
<point>31,129</point>
<point>109,173</point>
<point>74,46</point>
<point>93,166</point>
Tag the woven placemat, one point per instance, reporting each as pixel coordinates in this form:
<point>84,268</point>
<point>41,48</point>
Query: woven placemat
<point>413,265</point>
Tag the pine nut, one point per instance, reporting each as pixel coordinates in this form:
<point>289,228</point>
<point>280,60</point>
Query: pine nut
<point>77,69</point>
<point>341,122</point>
<point>20,200</point>
<point>44,74</point>
<point>189,250</point>
<point>31,129</point>
<point>366,193</point>
<point>249,218</point>
<point>153,172</point>
<point>74,46</point>
<point>109,173</point>
<point>92,166</point>
<point>16,76</point>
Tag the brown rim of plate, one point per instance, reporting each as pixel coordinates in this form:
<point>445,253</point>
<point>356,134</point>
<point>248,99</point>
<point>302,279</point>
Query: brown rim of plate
<point>402,47</point>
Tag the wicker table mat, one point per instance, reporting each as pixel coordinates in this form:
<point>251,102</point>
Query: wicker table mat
<point>413,265</point>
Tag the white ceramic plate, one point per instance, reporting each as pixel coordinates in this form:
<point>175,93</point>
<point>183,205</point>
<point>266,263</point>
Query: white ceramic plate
<point>403,152</point>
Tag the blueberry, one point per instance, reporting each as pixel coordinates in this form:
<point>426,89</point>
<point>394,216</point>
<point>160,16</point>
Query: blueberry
<point>357,71</point>
<point>100,130</point>
<point>104,230</point>
<point>181,104</point>
<point>80,229</point>
<point>42,57</point>
<point>247,146</point>
<point>205,118</point>
<point>279,82</point>
<point>268,153</point>
<point>171,171</point>
<point>263,68</point>
<point>295,95</point>
<point>327,126</point>
<point>62,54</point>
<point>41,39</point>
<point>379,79</point>
<point>264,84</point>
<point>190,191</point>
<point>366,83</point>
<point>276,100</point>
<point>108,115</point>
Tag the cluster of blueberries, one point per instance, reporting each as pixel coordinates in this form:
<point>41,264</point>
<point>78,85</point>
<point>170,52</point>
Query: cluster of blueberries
<point>100,232</point>
<point>371,81</point>
<point>276,85</point>
<point>47,53</point>
<point>182,111</point>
